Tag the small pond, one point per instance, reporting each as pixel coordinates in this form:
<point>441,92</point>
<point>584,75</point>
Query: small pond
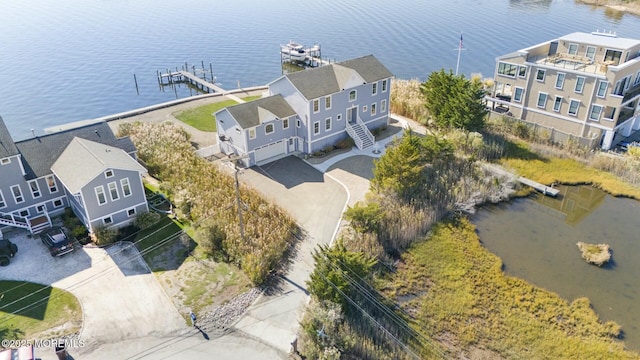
<point>536,239</point>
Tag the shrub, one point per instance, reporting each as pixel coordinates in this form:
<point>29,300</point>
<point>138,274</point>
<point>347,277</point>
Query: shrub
<point>146,220</point>
<point>346,143</point>
<point>104,235</point>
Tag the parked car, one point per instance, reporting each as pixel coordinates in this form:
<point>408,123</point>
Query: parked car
<point>57,240</point>
<point>7,251</point>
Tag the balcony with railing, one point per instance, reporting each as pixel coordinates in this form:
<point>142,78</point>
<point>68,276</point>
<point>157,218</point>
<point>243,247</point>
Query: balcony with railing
<point>571,62</point>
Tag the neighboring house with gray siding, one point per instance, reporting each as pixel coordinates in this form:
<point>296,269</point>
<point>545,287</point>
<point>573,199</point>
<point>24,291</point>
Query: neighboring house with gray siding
<point>308,111</point>
<point>41,176</point>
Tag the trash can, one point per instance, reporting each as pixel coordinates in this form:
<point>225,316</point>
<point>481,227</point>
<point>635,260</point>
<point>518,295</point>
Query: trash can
<point>61,351</point>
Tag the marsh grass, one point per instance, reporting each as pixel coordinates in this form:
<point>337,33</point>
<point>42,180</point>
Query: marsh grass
<point>469,300</point>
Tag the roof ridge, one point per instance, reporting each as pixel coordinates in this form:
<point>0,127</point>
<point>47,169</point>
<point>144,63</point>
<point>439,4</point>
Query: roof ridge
<point>89,150</point>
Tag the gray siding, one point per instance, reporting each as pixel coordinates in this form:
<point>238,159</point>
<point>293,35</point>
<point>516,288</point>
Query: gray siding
<point>112,207</point>
<point>228,127</point>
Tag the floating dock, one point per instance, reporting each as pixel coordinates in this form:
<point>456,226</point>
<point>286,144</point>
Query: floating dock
<point>546,190</point>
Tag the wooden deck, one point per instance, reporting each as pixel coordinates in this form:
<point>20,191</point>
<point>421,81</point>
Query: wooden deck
<point>215,88</point>
<point>547,190</point>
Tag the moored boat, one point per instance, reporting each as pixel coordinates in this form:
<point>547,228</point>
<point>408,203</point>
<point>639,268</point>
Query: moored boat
<point>293,51</point>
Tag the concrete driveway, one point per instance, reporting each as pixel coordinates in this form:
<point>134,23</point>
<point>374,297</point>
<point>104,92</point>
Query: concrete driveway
<point>120,298</point>
<point>316,201</point>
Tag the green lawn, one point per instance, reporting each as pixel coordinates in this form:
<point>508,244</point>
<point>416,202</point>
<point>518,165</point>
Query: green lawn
<point>202,117</point>
<point>27,309</point>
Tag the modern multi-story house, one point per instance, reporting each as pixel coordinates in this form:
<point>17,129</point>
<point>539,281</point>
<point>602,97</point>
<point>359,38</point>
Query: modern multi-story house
<point>584,84</point>
<point>86,168</point>
<point>309,110</point>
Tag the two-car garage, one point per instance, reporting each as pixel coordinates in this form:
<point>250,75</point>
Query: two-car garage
<point>270,151</point>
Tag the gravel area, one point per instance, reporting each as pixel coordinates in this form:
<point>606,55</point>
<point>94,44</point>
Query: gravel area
<point>221,318</point>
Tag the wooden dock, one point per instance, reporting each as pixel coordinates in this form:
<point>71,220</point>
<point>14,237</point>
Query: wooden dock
<point>546,190</point>
<point>180,76</point>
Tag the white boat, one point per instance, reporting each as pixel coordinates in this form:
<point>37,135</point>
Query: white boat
<point>293,51</point>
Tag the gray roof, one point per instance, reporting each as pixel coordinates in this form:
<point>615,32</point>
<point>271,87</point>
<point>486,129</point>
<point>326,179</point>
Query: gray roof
<point>254,113</point>
<point>330,79</point>
<point>39,153</point>
<point>601,39</point>
<point>7,146</point>
<point>83,160</point>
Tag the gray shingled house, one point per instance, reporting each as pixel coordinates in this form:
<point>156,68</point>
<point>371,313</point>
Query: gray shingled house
<point>309,110</point>
<point>86,168</point>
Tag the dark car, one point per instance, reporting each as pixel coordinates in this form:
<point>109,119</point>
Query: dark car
<point>7,251</point>
<point>57,240</point>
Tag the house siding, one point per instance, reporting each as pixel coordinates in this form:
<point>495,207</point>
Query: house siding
<point>229,128</point>
<point>98,212</point>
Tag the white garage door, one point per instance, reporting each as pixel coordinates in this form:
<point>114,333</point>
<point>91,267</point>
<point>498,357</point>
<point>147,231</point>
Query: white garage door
<point>269,151</point>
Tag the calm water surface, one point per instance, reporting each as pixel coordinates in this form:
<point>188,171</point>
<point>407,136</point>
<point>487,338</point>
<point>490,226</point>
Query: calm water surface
<point>69,60</point>
<point>536,240</point>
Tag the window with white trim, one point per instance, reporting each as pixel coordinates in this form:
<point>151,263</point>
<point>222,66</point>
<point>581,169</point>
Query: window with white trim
<point>557,103</point>
<point>285,123</point>
<point>316,105</point>
<point>364,109</point>
<point>3,204</point>
<point>5,161</point>
<point>383,106</point>
<point>108,174</point>
<point>316,127</point>
<point>373,109</point>
<point>17,194</point>
<point>602,87</point>
<point>40,209</point>
<point>573,107</point>
<point>269,129</point>
<point>113,191</point>
<point>126,188</point>
<point>384,85</point>
<point>327,102</point>
<point>35,189</point>
<point>102,199</point>
<point>522,71</point>
<point>560,81</point>
<point>573,49</point>
<point>338,117</point>
<point>542,100</point>
<point>374,88</point>
<point>506,69</point>
<point>327,124</point>
<point>57,203</point>
<point>24,213</point>
<point>540,74</point>
<point>353,95</point>
<point>252,133</point>
<point>51,183</point>
<point>637,81</point>
<point>298,123</point>
<point>107,221</point>
<point>591,52</point>
<point>596,111</point>
<point>517,94</point>
<point>580,84</point>
<point>131,212</point>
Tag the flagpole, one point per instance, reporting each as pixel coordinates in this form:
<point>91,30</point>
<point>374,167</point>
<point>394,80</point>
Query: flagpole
<point>459,51</point>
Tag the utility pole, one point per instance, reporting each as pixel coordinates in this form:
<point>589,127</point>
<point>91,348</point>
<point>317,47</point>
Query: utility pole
<point>237,170</point>
<point>235,159</point>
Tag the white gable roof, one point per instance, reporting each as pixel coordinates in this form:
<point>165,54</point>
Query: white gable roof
<point>83,160</point>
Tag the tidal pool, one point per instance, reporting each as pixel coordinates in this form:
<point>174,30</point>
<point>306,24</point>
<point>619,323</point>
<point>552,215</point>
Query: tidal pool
<point>536,239</point>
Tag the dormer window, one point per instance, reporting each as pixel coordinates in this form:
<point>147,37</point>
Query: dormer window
<point>352,95</point>
<point>5,161</point>
<point>108,173</point>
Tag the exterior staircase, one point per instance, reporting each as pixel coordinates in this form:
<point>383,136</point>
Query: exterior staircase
<point>360,134</point>
<point>35,224</point>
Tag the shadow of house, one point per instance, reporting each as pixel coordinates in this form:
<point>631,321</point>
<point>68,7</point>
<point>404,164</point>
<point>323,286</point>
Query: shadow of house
<point>280,171</point>
<point>25,299</point>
